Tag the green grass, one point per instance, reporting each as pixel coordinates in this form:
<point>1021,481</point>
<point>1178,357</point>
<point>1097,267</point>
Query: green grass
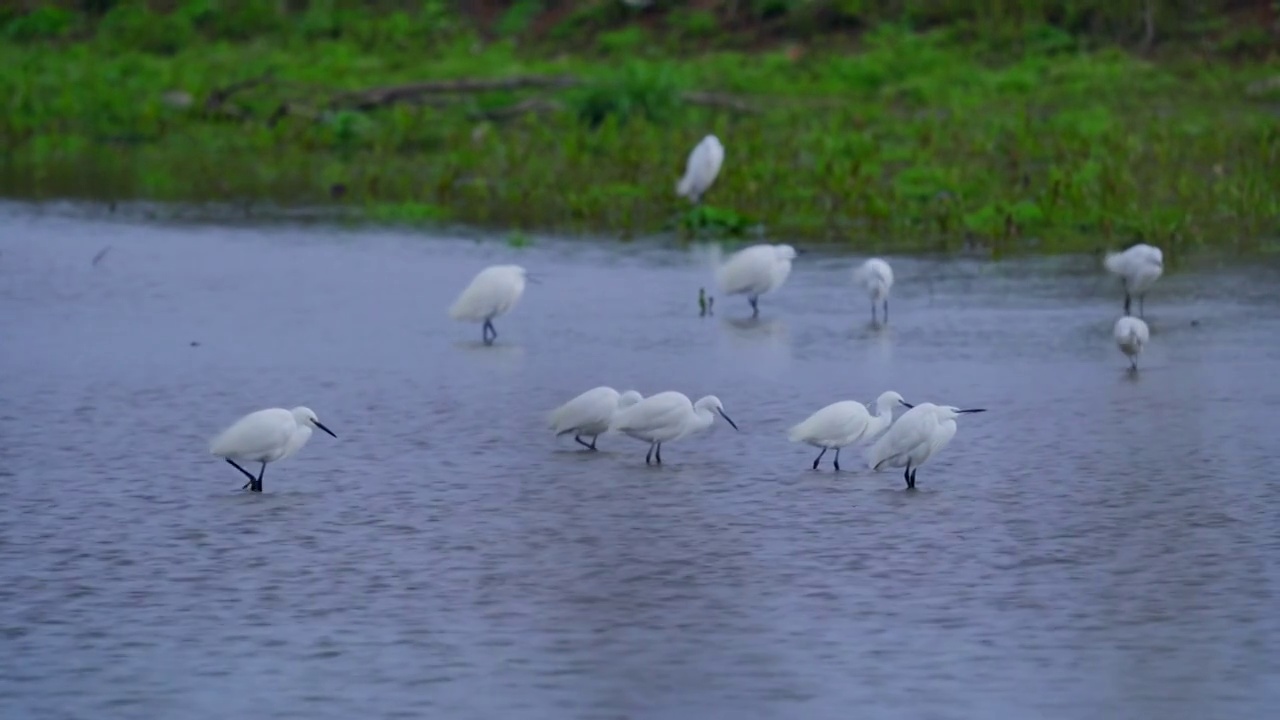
<point>1013,141</point>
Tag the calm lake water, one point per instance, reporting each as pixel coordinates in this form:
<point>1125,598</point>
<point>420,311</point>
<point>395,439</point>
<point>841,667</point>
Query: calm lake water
<point>1099,544</point>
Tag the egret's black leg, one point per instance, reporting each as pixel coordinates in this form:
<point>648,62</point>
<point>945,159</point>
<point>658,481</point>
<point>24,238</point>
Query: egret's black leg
<point>257,485</point>
<point>755,305</point>
<point>886,311</point>
<point>489,332</point>
<point>906,474</point>
<point>593,441</point>
<point>245,472</point>
<point>836,462</point>
<point>648,457</point>
<point>658,454</point>
<point>819,458</point>
<point>912,482</point>
<point>588,445</point>
<point>1126,302</point>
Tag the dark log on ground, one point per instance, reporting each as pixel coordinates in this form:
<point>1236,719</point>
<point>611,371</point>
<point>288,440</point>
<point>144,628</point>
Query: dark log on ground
<point>380,97</point>
<point>216,103</point>
<point>316,103</point>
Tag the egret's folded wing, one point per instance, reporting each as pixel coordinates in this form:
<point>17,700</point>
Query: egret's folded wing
<point>903,437</point>
<point>642,418</point>
<point>254,435</point>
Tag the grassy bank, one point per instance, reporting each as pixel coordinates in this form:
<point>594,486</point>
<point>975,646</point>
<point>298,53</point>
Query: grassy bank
<point>1027,135</point>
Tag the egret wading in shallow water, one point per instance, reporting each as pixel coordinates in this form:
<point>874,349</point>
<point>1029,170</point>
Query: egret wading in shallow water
<point>591,413</point>
<point>875,277</point>
<point>1131,336</point>
<point>1138,268</point>
<point>494,291</point>
<point>701,170</point>
<point>844,423</point>
<point>668,416</point>
<point>754,271</point>
<point>706,304</point>
<point>918,435</point>
<point>265,436</point>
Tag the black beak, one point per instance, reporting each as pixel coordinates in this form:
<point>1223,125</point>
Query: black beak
<point>904,402</point>
<point>974,410</point>
<point>322,427</point>
<point>726,419</point>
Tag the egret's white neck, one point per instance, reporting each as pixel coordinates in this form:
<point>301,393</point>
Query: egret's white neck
<point>702,419</point>
<point>881,420</point>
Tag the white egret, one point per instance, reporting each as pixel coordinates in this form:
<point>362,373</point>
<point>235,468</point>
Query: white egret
<point>875,277</point>
<point>1138,268</point>
<point>667,416</point>
<point>493,292</point>
<point>918,435</point>
<point>590,413</point>
<point>1131,336</point>
<point>265,436</point>
<point>844,423</point>
<point>702,169</point>
<point>755,271</point>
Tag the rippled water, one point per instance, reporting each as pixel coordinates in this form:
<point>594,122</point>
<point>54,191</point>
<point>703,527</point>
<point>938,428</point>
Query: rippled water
<point>1097,545</point>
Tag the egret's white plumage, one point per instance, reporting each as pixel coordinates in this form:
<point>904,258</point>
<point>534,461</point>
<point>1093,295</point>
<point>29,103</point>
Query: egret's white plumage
<point>702,168</point>
<point>844,423</point>
<point>754,271</point>
<point>875,277</point>
<point>667,416</point>
<point>265,436</point>
<point>590,413</point>
<point>493,292</point>
<point>1132,335</point>
<point>918,435</point>
<point>1138,268</point>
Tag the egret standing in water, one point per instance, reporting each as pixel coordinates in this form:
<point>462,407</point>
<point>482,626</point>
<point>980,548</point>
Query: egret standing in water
<point>591,413</point>
<point>494,291</point>
<point>668,416</point>
<point>701,170</point>
<point>706,304</point>
<point>1138,268</point>
<point>844,423</point>
<point>875,277</point>
<point>918,435</point>
<point>1131,336</point>
<point>754,271</point>
<point>265,436</point>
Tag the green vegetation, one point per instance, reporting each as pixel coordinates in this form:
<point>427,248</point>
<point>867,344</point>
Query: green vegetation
<point>1038,125</point>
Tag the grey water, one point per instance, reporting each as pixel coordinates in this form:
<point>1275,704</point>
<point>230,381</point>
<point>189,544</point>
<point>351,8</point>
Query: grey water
<point>1099,544</point>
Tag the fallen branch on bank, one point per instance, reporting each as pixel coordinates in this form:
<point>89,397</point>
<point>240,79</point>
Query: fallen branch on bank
<point>318,102</point>
<point>382,96</point>
<point>216,103</point>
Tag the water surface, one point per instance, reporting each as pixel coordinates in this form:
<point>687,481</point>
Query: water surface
<point>1099,544</point>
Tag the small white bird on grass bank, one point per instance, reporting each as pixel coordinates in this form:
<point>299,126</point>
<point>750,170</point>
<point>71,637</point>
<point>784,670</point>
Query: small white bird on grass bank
<point>918,435</point>
<point>1138,268</point>
<point>668,416</point>
<point>755,271</point>
<point>591,413</point>
<point>844,423</point>
<point>494,291</point>
<point>265,436</point>
<point>701,170</point>
<point>1132,335</point>
<point>875,277</point>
